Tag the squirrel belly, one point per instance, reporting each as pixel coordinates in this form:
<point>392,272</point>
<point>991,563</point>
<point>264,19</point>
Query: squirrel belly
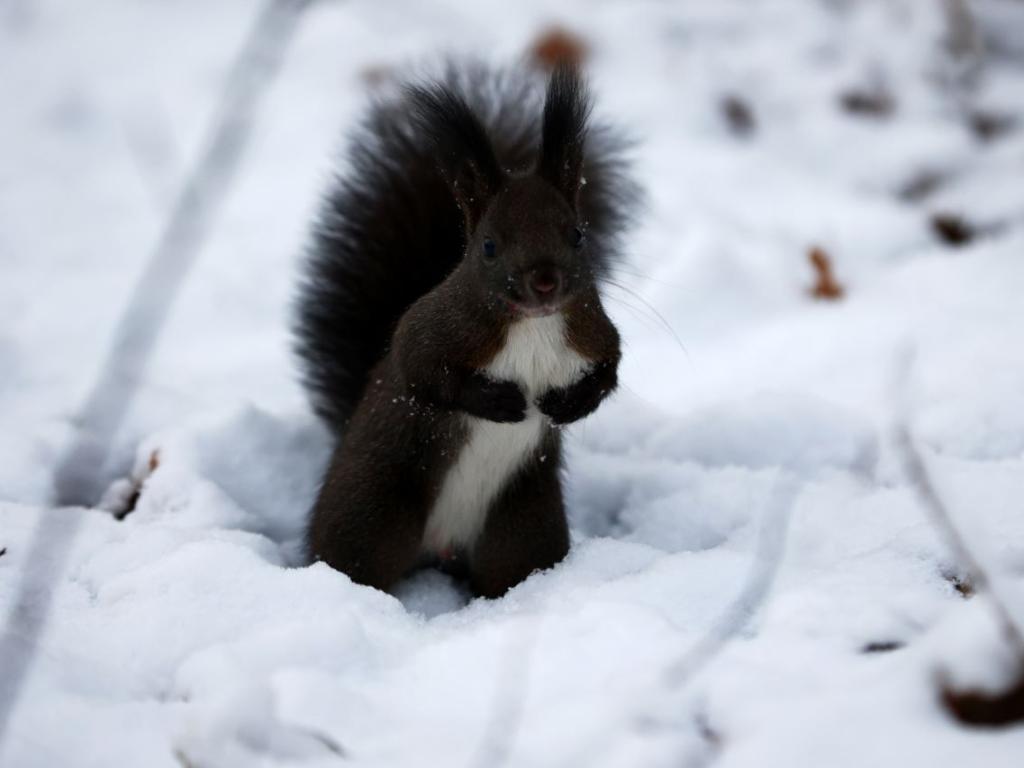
<point>536,356</point>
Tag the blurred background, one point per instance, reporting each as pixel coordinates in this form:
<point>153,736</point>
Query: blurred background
<point>833,232</point>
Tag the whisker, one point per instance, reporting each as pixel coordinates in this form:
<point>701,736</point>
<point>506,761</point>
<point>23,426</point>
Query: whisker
<point>644,276</point>
<point>635,311</point>
<point>661,319</point>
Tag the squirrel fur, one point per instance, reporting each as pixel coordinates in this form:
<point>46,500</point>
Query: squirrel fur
<point>449,324</point>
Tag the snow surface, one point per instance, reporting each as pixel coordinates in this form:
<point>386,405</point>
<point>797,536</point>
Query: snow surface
<point>184,635</point>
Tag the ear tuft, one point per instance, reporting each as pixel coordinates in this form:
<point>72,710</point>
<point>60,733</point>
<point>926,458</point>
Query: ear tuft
<point>564,131</point>
<point>465,156</point>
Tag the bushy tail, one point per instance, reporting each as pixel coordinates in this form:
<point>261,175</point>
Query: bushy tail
<point>390,229</point>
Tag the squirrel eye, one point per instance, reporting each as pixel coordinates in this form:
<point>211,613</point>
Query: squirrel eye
<point>490,249</point>
<point>576,237</point>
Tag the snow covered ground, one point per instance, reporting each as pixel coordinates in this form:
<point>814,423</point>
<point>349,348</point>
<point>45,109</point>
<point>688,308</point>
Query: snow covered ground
<point>753,418</point>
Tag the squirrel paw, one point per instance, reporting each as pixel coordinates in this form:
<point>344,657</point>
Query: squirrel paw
<point>501,401</point>
<point>568,404</point>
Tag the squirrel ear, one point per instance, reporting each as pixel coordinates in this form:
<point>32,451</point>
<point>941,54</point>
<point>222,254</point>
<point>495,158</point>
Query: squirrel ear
<point>464,153</point>
<point>564,131</point>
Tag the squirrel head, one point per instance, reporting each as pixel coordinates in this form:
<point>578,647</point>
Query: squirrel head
<point>525,235</point>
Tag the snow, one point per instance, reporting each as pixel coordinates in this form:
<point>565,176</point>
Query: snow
<point>190,633</point>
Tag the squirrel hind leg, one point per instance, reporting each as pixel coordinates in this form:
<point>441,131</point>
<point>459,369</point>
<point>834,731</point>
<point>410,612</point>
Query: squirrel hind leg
<point>526,528</point>
<point>372,532</point>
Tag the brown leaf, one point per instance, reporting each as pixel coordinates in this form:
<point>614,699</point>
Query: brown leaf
<point>986,709</point>
<point>952,229</point>
<point>989,126</point>
<point>556,45</point>
<point>826,286</point>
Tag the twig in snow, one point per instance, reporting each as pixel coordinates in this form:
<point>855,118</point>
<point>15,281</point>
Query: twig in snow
<point>128,492</point>
<point>76,479</point>
<point>971,707</point>
<point>767,560</point>
<point>979,576</point>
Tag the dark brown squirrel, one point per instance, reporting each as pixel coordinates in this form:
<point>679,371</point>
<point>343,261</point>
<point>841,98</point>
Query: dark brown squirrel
<point>450,324</point>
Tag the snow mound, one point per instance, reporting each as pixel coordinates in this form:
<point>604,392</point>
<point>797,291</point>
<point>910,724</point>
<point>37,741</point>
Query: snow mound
<point>747,450</point>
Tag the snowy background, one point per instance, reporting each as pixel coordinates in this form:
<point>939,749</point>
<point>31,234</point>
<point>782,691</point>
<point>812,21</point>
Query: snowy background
<point>749,450</point>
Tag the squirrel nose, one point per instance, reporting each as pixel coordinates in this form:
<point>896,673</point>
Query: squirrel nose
<point>544,282</point>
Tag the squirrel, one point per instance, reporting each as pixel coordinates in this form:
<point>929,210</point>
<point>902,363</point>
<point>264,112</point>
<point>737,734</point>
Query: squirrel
<point>449,323</point>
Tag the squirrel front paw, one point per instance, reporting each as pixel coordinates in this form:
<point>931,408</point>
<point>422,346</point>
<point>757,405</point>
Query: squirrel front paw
<point>501,401</point>
<point>565,405</point>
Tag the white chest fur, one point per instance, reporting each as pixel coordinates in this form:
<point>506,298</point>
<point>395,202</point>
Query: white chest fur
<point>537,357</point>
